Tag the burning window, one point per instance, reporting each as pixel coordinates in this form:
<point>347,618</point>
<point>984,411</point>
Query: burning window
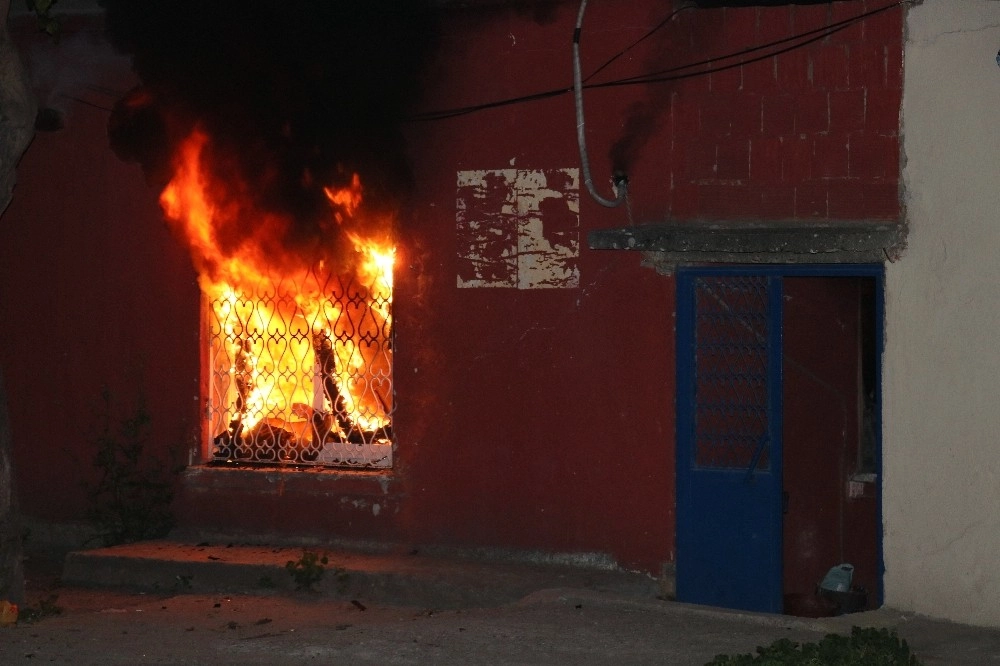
<point>301,371</point>
<point>299,342</point>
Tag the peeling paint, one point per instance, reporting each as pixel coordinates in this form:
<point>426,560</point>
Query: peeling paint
<point>518,229</point>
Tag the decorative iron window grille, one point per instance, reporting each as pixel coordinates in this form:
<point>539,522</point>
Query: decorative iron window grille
<point>301,374</point>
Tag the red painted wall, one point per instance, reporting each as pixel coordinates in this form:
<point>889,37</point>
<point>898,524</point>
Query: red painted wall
<point>538,419</point>
<point>823,525</point>
<point>94,292</point>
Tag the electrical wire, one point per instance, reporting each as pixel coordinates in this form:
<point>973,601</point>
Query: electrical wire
<point>671,74</point>
<point>656,78</point>
<point>636,43</point>
<point>813,35</point>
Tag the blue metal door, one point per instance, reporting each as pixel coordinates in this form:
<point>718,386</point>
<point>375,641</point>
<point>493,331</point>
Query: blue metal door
<point>729,481</point>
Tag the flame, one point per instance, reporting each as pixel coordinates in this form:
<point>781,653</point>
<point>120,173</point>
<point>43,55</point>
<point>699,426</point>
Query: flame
<point>346,198</point>
<point>295,342</point>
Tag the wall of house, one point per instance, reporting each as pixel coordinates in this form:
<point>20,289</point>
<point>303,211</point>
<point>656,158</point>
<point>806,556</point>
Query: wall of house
<point>941,491</point>
<point>97,298</point>
<point>809,134</point>
<point>534,377</point>
<point>536,404</point>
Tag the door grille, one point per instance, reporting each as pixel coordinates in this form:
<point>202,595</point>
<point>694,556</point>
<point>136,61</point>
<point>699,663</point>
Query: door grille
<point>731,364</point>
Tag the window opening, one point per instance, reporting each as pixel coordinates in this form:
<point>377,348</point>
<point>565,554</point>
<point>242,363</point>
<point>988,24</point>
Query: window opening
<point>301,371</point>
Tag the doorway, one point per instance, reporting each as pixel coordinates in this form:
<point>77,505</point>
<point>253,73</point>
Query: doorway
<point>778,458</point>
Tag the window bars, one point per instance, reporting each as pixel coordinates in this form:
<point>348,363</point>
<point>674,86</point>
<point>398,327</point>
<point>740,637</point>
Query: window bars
<point>300,373</point>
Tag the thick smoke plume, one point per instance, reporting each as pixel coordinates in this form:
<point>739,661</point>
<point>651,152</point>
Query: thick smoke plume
<point>645,116</point>
<point>295,95</point>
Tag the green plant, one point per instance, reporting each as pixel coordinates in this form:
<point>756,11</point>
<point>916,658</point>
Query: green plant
<point>864,647</point>
<point>43,609</point>
<point>308,570</point>
<point>47,23</point>
<point>131,499</point>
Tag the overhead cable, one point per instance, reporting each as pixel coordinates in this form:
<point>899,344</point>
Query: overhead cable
<point>671,74</point>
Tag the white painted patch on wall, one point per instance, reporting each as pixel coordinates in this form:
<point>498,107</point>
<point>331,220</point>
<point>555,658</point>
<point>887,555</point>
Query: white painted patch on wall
<point>518,228</point>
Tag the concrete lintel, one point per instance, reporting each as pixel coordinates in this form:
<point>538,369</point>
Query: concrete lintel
<point>755,242</point>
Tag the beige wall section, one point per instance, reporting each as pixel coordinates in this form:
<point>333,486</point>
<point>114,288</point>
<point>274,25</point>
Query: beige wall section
<point>942,362</point>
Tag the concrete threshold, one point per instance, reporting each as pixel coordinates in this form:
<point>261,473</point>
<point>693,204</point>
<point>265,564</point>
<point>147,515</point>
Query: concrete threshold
<point>410,579</point>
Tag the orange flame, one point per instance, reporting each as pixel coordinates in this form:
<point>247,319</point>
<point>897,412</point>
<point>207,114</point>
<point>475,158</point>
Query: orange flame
<point>347,198</point>
<point>290,339</point>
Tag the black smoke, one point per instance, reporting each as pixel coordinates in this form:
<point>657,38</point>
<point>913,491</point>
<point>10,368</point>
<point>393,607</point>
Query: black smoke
<point>294,94</point>
<point>641,123</point>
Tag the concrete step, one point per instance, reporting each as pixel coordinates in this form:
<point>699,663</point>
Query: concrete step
<point>410,579</point>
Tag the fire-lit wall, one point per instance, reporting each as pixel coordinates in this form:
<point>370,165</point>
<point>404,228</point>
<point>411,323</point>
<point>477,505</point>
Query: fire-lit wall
<point>96,298</point>
<point>534,377</point>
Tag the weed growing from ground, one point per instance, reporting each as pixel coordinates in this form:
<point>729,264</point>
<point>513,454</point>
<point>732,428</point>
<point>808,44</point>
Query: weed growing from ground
<point>43,609</point>
<point>131,499</point>
<point>864,647</point>
<point>308,570</point>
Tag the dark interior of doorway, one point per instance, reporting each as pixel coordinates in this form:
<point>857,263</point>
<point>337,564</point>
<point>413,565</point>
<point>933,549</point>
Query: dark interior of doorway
<point>830,481</point>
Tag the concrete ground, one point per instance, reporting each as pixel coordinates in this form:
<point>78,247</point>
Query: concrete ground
<point>167,603</point>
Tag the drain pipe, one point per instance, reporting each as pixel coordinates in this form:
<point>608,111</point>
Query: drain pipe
<point>620,180</point>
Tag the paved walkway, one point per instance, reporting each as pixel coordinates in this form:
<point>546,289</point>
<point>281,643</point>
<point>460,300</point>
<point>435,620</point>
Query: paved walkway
<point>513,614</point>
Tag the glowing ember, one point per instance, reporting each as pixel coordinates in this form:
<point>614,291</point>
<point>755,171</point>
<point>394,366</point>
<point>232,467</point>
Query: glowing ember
<point>300,352</point>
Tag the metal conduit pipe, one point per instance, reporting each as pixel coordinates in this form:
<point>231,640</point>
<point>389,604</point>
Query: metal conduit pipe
<point>621,185</point>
